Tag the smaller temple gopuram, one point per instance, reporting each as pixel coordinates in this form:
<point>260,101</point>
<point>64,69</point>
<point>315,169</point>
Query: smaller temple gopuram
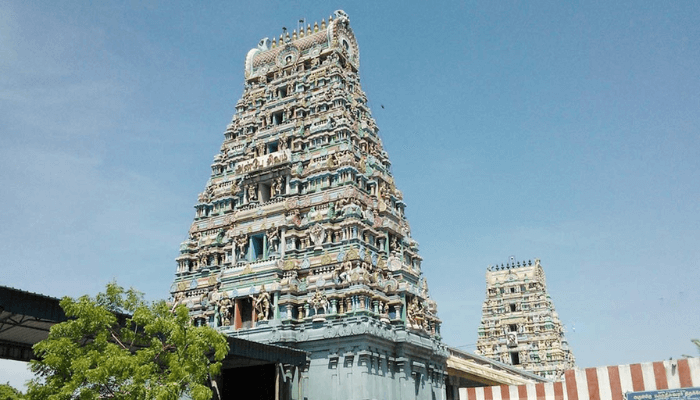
<point>519,325</point>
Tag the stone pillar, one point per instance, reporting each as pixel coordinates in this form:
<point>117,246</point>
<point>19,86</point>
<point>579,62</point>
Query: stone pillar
<point>403,307</point>
<point>253,317</point>
<point>237,320</point>
<point>275,305</point>
<point>283,242</point>
<point>406,388</point>
<point>265,247</point>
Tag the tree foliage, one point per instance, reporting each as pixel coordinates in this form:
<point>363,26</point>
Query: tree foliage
<point>117,346</point>
<point>7,392</point>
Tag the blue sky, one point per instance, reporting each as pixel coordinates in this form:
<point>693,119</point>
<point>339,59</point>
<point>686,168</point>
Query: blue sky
<point>565,131</point>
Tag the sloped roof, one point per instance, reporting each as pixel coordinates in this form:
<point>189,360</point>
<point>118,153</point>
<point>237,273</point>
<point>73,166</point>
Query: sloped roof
<point>25,319</point>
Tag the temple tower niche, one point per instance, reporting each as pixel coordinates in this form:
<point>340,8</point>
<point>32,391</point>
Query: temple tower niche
<point>300,236</point>
<point>519,325</point>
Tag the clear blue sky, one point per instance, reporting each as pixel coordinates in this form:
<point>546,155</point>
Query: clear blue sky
<point>565,131</point>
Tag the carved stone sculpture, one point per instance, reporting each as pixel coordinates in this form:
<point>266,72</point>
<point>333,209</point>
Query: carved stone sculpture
<point>241,243</point>
<point>415,314</point>
<point>273,237</point>
<point>319,301</point>
<point>276,187</point>
<point>252,193</point>
<point>225,306</point>
<point>317,234</point>
<point>261,304</point>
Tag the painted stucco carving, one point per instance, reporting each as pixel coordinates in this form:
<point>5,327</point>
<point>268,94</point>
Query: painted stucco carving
<point>300,229</point>
<point>519,324</point>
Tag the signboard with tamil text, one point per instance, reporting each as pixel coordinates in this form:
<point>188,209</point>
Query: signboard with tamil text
<point>692,393</point>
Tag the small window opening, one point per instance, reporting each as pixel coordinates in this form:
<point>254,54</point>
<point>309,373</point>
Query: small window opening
<point>283,92</point>
<point>512,290</point>
<point>512,307</point>
<point>271,147</point>
<point>514,358</point>
<point>512,327</point>
<point>245,309</point>
<point>256,250</point>
<point>277,118</point>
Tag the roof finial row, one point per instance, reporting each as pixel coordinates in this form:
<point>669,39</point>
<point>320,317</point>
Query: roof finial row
<point>285,37</point>
<point>511,265</point>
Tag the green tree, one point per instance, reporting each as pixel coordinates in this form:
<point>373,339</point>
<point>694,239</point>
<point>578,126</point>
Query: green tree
<point>117,346</point>
<point>7,392</point>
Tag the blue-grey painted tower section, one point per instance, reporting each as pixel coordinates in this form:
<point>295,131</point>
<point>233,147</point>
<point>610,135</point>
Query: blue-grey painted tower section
<point>300,236</point>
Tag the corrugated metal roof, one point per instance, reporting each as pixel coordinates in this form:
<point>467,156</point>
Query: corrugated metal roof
<point>25,319</point>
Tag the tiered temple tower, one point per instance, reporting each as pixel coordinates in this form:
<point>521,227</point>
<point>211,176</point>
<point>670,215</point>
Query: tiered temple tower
<point>519,325</point>
<point>300,236</point>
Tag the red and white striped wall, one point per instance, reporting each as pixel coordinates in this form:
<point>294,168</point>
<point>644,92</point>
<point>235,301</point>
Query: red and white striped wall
<point>601,383</point>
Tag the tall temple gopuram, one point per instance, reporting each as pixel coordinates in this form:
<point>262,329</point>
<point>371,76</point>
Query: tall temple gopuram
<point>300,237</point>
<point>519,325</point>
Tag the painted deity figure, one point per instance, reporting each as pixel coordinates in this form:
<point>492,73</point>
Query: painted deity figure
<point>317,234</point>
<point>261,304</point>
<point>252,192</point>
<point>179,298</point>
<point>225,306</point>
<point>342,274</point>
<point>276,187</point>
<point>260,149</point>
<point>512,339</point>
<point>241,243</point>
<point>394,243</point>
<point>207,195</point>
<point>332,161</point>
<point>424,288</point>
<point>415,313</point>
<point>203,258</point>
<point>273,238</point>
<point>384,193</point>
<point>319,301</point>
<point>234,188</point>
